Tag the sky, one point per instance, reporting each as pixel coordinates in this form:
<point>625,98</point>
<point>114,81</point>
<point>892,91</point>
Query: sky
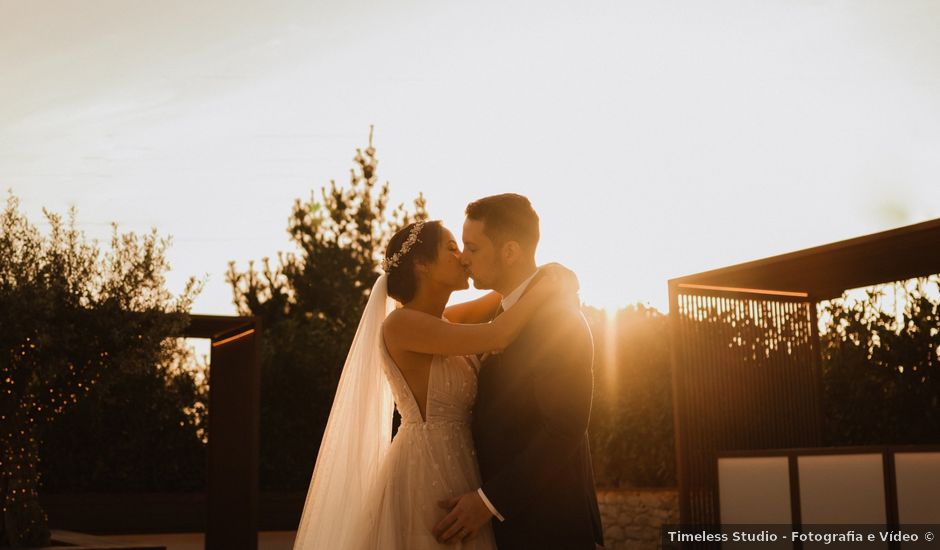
<point>655,139</point>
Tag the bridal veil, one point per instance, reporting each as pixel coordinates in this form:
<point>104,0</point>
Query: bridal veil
<point>357,437</point>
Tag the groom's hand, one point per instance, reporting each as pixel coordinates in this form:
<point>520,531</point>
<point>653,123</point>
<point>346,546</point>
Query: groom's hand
<point>467,515</point>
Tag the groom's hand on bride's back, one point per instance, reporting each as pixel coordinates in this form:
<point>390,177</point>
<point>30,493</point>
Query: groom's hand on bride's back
<point>467,514</point>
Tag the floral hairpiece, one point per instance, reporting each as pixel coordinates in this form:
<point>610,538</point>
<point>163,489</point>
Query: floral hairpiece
<point>394,259</point>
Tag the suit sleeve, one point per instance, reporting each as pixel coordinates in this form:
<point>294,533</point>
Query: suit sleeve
<point>563,391</point>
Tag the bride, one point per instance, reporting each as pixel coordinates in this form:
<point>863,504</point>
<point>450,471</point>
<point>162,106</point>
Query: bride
<point>369,491</point>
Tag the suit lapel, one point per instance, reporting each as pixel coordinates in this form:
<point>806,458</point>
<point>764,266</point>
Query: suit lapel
<point>499,310</point>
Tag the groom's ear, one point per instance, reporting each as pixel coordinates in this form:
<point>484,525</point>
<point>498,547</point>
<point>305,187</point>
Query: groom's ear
<point>511,252</point>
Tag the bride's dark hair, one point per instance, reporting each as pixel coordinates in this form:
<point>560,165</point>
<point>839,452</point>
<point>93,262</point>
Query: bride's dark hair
<point>402,280</point>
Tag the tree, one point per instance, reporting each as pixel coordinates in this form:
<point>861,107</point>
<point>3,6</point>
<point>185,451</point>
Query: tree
<point>310,305</point>
<point>631,430</point>
<point>71,318</point>
<point>143,431</point>
<point>881,372</point>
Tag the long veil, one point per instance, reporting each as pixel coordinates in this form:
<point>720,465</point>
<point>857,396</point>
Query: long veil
<point>357,436</point>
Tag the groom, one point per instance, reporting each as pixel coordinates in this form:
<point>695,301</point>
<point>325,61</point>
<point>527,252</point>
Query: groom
<point>533,402</point>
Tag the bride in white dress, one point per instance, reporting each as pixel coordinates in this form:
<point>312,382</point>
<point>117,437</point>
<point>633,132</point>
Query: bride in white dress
<point>369,491</point>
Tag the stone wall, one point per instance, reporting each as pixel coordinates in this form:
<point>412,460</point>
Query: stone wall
<point>632,517</point>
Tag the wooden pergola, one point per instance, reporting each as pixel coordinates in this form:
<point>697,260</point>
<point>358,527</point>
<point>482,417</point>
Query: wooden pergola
<point>746,356</point>
<point>228,511</point>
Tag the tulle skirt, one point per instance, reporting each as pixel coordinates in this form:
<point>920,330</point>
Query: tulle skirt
<point>425,464</point>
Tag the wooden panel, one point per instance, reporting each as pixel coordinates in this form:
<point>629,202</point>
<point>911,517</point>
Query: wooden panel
<point>918,484</point>
<point>843,489</point>
<point>755,490</point>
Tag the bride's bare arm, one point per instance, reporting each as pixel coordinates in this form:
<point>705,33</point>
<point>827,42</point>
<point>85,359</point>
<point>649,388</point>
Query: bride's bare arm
<point>419,332</point>
<point>483,308</point>
<point>480,310</point>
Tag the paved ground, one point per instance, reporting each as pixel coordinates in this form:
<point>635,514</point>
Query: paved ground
<point>267,540</point>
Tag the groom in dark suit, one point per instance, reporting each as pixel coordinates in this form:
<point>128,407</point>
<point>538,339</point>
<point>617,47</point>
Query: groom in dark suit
<point>533,402</point>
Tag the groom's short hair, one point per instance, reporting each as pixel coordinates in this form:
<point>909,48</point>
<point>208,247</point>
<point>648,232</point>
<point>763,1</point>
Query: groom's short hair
<point>507,217</point>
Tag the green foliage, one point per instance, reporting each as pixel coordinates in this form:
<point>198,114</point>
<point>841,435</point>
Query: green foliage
<point>144,431</point>
<point>631,431</point>
<point>881,373</point>
<point>310,305</point>
<point>71,318</point>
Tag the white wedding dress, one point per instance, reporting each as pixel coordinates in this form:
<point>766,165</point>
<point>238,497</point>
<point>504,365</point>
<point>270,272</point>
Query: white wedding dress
<point>370,492</point>
<point>429,460</point>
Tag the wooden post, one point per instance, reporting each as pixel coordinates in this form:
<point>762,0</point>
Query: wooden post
<point>234,409</point>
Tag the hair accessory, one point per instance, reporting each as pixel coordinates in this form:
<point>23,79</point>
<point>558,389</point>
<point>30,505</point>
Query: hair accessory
<point>389,263</point>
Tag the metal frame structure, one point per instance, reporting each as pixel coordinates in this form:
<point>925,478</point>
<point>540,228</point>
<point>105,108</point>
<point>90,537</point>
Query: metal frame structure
<point>745,349</point>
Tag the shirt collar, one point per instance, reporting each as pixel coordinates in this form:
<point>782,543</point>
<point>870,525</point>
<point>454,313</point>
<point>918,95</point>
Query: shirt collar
<point>513,297</point>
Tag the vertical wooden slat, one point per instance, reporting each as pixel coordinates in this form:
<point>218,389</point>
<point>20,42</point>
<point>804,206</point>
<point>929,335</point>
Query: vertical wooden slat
<point>817,372</point>
<point>780,370</point>
<point>695,438</point>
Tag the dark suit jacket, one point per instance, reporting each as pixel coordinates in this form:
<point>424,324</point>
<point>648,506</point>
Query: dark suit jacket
<point>530,431</point>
